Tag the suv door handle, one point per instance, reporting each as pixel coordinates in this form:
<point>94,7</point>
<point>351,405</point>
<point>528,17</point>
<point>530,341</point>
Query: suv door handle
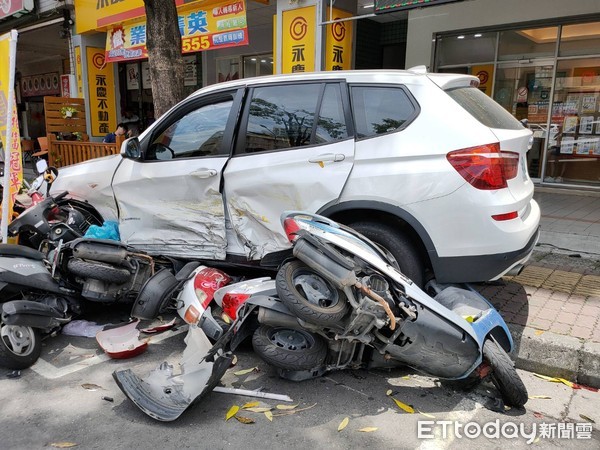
<point>204,173</point>
<point>327,157</point>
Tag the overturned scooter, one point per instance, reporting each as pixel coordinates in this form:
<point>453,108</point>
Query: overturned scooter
<point>342,303</point>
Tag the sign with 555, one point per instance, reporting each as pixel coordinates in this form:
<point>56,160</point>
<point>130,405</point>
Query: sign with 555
<point>219,25</point>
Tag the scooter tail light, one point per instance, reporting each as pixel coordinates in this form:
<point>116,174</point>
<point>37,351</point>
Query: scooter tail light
<point>192,315</point>
<point>485,167</point>
<point>232,302</point>
<point>291,228</point>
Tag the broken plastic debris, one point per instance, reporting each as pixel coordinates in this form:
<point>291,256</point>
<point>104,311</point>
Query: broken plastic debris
<point>159,328</point>
<point>107,398</point>
<point>122,342</point>
<point>13,374</point>
<point>249,393</point>
<point>82,328</point>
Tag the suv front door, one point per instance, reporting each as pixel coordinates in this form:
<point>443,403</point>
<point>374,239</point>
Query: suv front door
<point>169,201</point>
<point>295,151</point>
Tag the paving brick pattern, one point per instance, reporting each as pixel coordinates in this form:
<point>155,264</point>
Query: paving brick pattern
<point>554,292</point>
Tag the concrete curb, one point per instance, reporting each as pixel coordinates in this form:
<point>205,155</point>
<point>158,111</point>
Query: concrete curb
<point>556,355</point>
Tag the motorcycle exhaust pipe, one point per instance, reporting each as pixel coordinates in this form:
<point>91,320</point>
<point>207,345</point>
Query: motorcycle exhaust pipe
<point>32,314</point>
<point>98,252</point>
<point>277,319</point>
<point>330,269</point>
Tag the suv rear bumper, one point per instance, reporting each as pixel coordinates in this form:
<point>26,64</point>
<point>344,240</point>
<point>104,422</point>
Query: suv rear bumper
<point>462,269</point>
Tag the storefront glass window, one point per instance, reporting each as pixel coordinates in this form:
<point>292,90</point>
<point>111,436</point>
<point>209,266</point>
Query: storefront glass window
<point>573,153</point>
<point>580,39</point>
<point>465,48</point>
<point>258,65</point>
<point>527,44</point>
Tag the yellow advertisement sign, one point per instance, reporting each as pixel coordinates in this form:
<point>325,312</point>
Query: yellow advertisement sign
<point>485,73</point>
<point>338,44</point>
<point>79,71</point>
<point>298,40</point>
<point>96,14</point>
<point>101,86</point>
<point>220,25</point>
<point>9,126</point>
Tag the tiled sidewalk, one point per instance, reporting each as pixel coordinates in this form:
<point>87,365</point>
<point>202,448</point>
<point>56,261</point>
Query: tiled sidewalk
<point>555,292</point>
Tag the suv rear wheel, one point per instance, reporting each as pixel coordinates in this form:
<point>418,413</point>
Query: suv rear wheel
<point>398,244</point>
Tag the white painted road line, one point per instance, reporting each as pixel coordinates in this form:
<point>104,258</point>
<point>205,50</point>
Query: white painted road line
<point>47,370</point>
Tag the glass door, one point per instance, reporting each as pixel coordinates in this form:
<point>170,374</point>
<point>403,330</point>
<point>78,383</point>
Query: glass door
<point>524,89</point>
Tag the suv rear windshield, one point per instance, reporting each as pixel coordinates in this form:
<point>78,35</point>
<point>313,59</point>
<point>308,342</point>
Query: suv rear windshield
<point>484,109</point>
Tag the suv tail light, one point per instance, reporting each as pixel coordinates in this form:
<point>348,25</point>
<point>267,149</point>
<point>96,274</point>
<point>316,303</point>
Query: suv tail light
<point>485,167</point>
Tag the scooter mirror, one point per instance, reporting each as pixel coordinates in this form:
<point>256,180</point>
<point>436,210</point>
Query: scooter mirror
<point>50,174</point>
<point>41,165</point>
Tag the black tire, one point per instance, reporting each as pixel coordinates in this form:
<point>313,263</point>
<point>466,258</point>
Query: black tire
<point>25,353</point>
<point>504,375</point>
<point>98,271</point>
<point>288,348</point>
<point>398,244</point>
<point>310,296</point>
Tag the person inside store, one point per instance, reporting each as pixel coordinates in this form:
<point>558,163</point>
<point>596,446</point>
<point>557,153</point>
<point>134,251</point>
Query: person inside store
<point>111,138</point>
<point>132,121</point>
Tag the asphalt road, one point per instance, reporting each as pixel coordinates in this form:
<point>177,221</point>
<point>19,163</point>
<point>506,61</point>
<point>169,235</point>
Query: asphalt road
<point>48,405</point>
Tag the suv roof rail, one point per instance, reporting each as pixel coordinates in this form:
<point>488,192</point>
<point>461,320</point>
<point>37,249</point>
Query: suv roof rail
<point>422,69</point>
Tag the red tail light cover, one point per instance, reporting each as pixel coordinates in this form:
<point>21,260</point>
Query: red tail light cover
<point>291,228</point>
<point>232,302</point>
<point>207,281</point>
<point>485,167</point>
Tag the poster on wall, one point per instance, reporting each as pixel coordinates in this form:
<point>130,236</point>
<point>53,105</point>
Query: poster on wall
<point>586,125</point>
<point>190,77</point>
<point>567,144</point>
<point>570,124</point>
<point>133,77</point>
<point>146,84</point>
<point>588,104</point>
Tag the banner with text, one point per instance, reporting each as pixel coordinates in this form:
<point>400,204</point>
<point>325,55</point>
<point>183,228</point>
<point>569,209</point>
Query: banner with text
<point>221,25</point>
<point>298,40</point>
<point>338,44</point>
<point>101,86</point>
<point>9,128</point>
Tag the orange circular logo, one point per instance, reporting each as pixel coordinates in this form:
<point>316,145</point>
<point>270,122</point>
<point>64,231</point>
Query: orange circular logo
<point>298,28</point>
<point>483,76</point>
<point>338,30</point>
<point>98,60</point>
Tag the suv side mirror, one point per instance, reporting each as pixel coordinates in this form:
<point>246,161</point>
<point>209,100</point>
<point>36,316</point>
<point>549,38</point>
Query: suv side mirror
<point>131,148</point>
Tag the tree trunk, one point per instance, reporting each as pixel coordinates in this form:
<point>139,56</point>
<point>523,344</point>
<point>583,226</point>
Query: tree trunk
<point>163,41</point>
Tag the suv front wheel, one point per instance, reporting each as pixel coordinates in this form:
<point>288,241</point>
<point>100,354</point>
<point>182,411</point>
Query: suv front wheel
<point>398,244</point>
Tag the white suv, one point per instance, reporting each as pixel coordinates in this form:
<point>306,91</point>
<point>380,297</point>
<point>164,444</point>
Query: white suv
<point>424,164</point>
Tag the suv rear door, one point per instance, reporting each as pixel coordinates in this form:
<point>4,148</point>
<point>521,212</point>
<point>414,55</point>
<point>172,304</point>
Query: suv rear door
<point>295,151</point>
<point>169,200</point>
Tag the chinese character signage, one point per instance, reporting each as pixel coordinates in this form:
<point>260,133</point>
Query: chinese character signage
<point>101,85</point>
<point>9,128</point>
<point>298,40</point>
<point>219,25</point>
<point>338,44</point>
<point>79,71</point>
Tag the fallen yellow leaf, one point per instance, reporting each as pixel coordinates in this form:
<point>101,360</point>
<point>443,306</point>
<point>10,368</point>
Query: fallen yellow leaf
<point>246,420</point>
<point>368,429</point>
<point>406,377</point>
<point>250,405</point>
<point>404,406</point>
<point>538,332</point>
<point>290,412</point>
<point>269,415</point>
<point>589,419</point>
<point>555,380</point>
<point>232,412</point>
<point>544,397</point>
<point>63,444</point>
<point>431,416</point>
<point>389,392</point>
<point>245,371</point>
<point>258,410</point>
<point>286,406</point>
<point>343,424</point>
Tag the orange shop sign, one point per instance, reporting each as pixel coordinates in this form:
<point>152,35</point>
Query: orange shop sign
<point>298,40</point>
<point>221,25</point>
<point>101,82</point>
<point>338,44</point>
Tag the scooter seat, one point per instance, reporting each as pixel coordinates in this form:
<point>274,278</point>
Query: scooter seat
<point>22,251</point>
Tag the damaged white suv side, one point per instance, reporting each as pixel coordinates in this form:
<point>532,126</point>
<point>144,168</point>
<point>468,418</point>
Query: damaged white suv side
<point>424,164</point>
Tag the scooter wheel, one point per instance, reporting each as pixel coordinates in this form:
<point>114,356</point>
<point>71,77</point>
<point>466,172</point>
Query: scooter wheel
<point>20,346</point>
<point>288,348</point>
<point>310,296</point>
<point>98,271</point>
<point>504,375</point>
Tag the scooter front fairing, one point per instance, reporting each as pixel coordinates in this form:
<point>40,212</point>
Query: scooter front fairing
<point>164,395</point>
